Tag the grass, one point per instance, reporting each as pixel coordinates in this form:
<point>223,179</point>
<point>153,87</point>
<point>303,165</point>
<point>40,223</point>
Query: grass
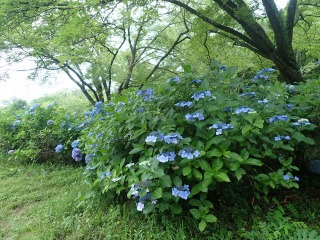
<point>40,202</point>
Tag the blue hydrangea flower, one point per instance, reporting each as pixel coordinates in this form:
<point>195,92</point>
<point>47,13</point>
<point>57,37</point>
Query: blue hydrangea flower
<point>172,138</point>
<point>260,76</point>
<point>16,123</point>
<point>76,154</point>
<point>34,106</point>
<point>291,88</point>
<point>75,144</point>
<point>88,157</point>
<point>296,178</point>
<point>189,153</point>
<point>250,94</point>
<point>266,70</point>
<point>154,136</point>
<point>84,124</point>
<point>183,104</point>
<point>263,101</point>
<point>196,81</point>
<point>194,116</point>
<point>220,126</point>
<point>301,122</point>
<point>166,157</point>
<point>201,94</point>
<point>146,94</point>
<point>279,118</point>
<point>59,148</point>
<point>279,138</point>
<point>175,79</point>
<point>286,177</point>
<point>181,191</point>
<point>227,109</point>
<point>50,105</point>
<point>244,109</point>
<point>288,106</point>
<point>223,67</point>
<point>139,110</point>
<point>49,122</point>
<point>105,174</point>
<point>98,104</point>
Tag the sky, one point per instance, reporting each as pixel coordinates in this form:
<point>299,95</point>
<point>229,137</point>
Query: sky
<point>18,86</point>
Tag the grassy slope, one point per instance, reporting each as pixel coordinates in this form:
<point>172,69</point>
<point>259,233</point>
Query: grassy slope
<point>38,202</point>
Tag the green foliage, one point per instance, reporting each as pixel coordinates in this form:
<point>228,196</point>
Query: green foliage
<point>32,135</point>
<point>171,158</point>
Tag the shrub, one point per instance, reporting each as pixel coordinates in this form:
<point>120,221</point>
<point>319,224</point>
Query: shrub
<point>32,135</point>
<point>169,148</point>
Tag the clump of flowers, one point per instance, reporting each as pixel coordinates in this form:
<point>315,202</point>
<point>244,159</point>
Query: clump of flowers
<point>279,118</point>
<point>76,154</point>
<point>146,94</point>
<point>166,157</point>
<point>192,117</point>
<point>220,127</point>
<point>244,109</point>
<point>59,148</point>
<point>189,153</point>
<point>154,136</point>
<point>49,122</point>
<point>183,104</point>
<point>181,191</point>
<point>172,138</point>
<point>202,94</point>
<point>279,138</point>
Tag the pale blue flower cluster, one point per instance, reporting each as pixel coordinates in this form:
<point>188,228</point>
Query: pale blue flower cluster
<point>49,122</point>
<point>201,94</point>
<point>146,94</point>
<point>172,138</point>
<point>166,157</point>
<point>300,123</point>
<point>175,79</point>
<point>10,152</point>
<point>105,174</point>
<point>263,101</point>
<point>260,76</point>
<point>220,126</point>
<point>243,109</point>
<point>183,104</point>
<point>266,70</point>
<point>88,157</point>
<point>97,109</point>
<point>154,136</point>
<point>34,106</point>
<point>192,117</point>
<point>279,138</point>
<point>51,105</point>
<point>196,81</point>
<point>189,153</point>
<point>76,154</point>
<point>279,118</point>
<point>181,191</point>
<point>249,94</point>
<point>75,144</point>
<point>223,67</point>
<point>16,123</point>
<point>59,148</point>
<point>287,177</point>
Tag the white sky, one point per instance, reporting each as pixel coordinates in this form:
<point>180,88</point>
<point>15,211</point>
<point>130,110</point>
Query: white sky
<point>17,85</point>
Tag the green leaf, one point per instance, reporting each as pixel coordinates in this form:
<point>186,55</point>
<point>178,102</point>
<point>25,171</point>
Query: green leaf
<point>252,161</point>
<point>177,181</point>
<point>186,170</point>
<point>221,177</point>
<point>157,193</point>
<point>195,213</point>
<point>235,156</point>
<point>187,68</point>
<point>210,218</point>
<point>217,165</point>
<point>202,225</point>
<point>239,173</point>
<point>148,209</point>
<point>214,153</point>
<point>135,150</point>
<point>175,208</point>
<point>165,181</point>
<point>196,188</point>
<point>246,129</point>
<point>89,194</point>
<point>204,164</point>
<point>197,174</point>
<point>258,123</point>
<point>163,206</point>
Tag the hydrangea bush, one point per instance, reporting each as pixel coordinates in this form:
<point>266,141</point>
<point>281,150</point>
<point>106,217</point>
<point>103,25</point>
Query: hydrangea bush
<point>39,133</point>
<point>168,148</point>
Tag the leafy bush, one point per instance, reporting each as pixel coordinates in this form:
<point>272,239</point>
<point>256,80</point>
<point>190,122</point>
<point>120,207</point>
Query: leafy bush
<point>171,147</point>
<point>32,135</point>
